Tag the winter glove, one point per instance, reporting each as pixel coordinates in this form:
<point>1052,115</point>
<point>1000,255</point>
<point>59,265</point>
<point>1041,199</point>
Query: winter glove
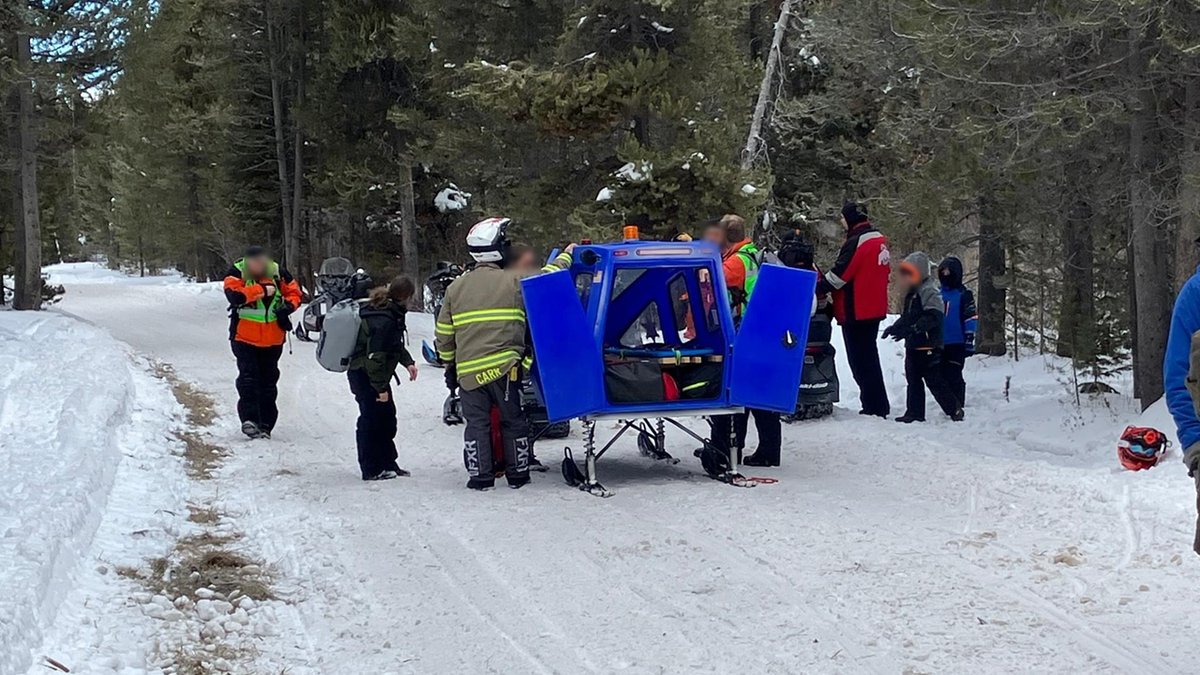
<point>969,339</point>
<point>282,316</point>
<point>1191,459</point>
<point>451,377</point>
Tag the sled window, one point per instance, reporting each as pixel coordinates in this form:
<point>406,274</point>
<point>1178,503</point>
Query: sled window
<point>646,329</point>
<point>624,278</point>
<point>583,288</point>
<point>681,303</point>
<point>708,299</point>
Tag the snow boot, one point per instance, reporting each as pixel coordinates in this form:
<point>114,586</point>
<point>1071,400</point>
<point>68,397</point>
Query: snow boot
<point>481,484</point>
<point>909,419</point>
<point>386,474</point>
<point>958,415</point>
<point>755,460</point>
<point>401,473</point>
<point>251,429</point>
<point>518,482</point>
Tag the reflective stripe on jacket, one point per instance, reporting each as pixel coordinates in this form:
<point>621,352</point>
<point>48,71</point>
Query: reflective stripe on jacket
<point>481,327</point>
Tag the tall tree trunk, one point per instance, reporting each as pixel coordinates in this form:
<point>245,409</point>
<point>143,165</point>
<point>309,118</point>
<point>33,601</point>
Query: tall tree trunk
<point>1189,183</point>
<point>292,236</point>
<point>993,284</point>
<point>27,256</point>
<point>1077,312</point>
<point>13,147</point>
<point>754,140</point>
<point>408,222</point>
<point>285,194</point>
<point>1151,278</point>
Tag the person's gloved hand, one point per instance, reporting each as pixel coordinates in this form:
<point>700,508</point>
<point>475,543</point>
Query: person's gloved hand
<point>284,310</point>
<point>451,377</point>
<point>894,332</point>
<point>1191,459</point>
<point>969,339</point>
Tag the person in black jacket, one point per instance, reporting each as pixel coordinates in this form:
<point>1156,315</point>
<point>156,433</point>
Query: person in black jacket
<point>920,327</point>
<point>380,349</point>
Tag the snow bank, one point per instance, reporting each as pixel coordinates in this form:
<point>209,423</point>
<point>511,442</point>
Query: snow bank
<point>98,273</point>
<point>91,484</point>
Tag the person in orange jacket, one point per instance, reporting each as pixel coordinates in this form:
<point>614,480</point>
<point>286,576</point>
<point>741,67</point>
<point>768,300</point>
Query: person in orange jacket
<point>262,296</point>
<point>740,262</point>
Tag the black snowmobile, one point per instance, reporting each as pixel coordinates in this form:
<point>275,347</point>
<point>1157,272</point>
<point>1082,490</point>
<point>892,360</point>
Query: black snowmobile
<point>435,294</point>
<point>819,388</point>
<point>337,279</point>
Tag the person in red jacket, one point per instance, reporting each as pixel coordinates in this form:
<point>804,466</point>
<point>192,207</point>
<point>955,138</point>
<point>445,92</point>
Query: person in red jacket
<point>262,296</point>
<point>859,283</point>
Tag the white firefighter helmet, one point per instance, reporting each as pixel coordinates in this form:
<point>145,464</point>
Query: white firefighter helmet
<point>488,240</point>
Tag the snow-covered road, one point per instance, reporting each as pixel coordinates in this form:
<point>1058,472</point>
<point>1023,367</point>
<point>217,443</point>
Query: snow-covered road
<point>1007,544</point>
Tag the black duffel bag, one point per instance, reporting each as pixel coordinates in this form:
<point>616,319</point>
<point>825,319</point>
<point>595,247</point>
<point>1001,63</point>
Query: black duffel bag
<point>634,382</point>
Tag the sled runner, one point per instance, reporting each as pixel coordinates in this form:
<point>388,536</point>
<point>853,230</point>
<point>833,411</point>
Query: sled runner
<point>643,333</point>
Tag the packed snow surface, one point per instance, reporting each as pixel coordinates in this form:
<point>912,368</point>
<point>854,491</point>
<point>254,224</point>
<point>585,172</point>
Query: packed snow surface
<point>91,482</point>
<point>1011,543</point>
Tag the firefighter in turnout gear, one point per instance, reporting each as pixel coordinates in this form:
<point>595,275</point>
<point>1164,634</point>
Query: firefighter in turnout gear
<point>481,337</point>
<point>262,296</point>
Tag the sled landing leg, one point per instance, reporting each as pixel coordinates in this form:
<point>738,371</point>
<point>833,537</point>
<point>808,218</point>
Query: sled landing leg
<point>729,473</point>
<point>590,483</point>
<point>651,441</point>
<point>586,480</point>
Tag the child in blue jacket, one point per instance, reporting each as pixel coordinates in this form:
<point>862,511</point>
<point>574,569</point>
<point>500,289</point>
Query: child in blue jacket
<point>959,328</point>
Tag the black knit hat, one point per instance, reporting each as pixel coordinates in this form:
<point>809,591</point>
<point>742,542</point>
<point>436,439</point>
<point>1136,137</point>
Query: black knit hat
<point>255,252</point>
<point>854,213</point>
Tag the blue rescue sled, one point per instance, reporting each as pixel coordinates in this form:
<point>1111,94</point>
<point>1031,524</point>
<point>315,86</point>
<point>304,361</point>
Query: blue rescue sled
<point>638,330</point>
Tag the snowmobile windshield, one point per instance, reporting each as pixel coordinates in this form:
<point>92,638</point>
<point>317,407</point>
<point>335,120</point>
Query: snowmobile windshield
<point>336,267</point>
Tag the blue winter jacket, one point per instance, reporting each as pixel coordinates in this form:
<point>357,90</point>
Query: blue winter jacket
<point>961,319</point>
<point>1184,322</point>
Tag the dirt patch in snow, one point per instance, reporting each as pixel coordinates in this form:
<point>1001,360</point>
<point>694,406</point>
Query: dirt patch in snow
<point>207,579</point>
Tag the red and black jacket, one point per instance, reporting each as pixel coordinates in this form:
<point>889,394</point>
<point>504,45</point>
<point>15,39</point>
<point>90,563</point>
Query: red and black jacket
<point>859,278</point>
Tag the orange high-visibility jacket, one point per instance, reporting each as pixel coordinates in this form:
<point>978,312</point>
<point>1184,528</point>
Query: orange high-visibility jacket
<point>253,318</point>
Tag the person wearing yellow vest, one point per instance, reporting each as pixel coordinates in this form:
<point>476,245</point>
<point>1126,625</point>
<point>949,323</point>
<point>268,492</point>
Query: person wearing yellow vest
<point>262,296</point>
<point>740,262</point>
<point>481,337</point>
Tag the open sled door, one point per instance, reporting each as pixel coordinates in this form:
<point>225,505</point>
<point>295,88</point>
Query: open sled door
<point>567,363</point>
<point>768,352</point>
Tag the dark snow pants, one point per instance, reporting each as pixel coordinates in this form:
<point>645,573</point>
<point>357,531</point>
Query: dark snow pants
<point>862,351</point>
<point>257,383</point>
<point>376,431</point>
<point>924,367</point>
<point>770,432</point>
<point>954,357</point>
<point>505,395</point>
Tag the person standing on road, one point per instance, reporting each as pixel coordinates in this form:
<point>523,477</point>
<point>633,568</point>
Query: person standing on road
<point>859,283</point>
<point>741,262</point>
<point>481,338</point>
<point>920,328</point>
<point>379,351</point>
<point>262,296</point>
<point>1181,377</point>
<point>959,332</point>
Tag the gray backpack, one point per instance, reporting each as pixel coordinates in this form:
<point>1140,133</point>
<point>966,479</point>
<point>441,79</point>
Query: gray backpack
<point>339,336</point>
